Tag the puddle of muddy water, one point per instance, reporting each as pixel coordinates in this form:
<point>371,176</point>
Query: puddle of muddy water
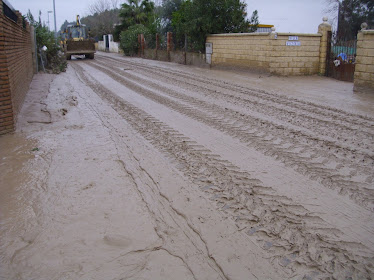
<point>15,152</point>
<point>16,155</point>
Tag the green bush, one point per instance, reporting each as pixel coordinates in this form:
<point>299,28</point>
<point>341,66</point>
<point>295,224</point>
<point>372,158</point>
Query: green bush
<point>129,38</point>
<point>53,58</point>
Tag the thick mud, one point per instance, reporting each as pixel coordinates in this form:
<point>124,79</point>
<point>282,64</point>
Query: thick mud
<point>132,169</point>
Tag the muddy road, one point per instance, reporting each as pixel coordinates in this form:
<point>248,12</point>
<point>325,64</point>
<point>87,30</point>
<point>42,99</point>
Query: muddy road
<point>132,169</point>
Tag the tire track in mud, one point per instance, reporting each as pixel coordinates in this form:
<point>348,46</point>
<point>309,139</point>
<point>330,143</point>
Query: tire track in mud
<point>299,120</point>
<point>335,116</point>
<point>287,145</point>
<point>294,238</point>
<point>167,227</point>
<point>345,134</point>
<point>338,130</point>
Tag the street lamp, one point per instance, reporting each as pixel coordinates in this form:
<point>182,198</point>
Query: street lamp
<point>49,28</point>
<point>54,11</point>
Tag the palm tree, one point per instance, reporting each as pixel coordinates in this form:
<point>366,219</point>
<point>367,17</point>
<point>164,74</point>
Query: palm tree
<point>136,12</point>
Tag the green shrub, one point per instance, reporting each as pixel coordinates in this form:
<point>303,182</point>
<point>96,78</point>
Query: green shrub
<point>129,38</point>
<point>53,58</point>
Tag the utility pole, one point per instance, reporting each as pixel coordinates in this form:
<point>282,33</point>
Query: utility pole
<point>54,11</point>
<point>49,28</point>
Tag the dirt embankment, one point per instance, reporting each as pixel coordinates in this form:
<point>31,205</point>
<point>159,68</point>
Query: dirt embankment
<point>132,169</point>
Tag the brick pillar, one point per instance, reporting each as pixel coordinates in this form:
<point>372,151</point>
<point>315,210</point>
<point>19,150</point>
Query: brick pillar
<point>364,71</point>
<point>142,43</point>
<point>157,44</point>
<point>325,30</point>
<point>169,45</point>
<point>169,41</point>
<point>157,41</point>
<point>185,48</point>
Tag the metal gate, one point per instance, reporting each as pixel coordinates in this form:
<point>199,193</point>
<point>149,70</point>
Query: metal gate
<point>341,60</point>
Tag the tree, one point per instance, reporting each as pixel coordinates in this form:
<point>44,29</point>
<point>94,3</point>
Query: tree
<point>350,14</point>
<point>101,6</point>
<point>166,11</point>
<point>102,23</point>
<point>253,22</point>
<point>135,12</point>
<point>198,18</point>
<point>102,20</point>
<point>104,15</point>
<point>65,24</point>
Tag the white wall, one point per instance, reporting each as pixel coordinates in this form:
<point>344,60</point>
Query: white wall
<point>113,46</point>
<point>101,45</point>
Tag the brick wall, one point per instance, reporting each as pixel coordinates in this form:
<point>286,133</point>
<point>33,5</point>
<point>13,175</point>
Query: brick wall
<point>16,68</point>
<point>364,72</point>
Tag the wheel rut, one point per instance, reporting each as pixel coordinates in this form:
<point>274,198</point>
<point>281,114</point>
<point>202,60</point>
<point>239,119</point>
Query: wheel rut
<point>332,165</point>
<point>294,238</point>
<point>312,109</point>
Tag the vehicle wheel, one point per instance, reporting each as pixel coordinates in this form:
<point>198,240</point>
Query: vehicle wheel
<point>92,56</point>
<point>68,57</point>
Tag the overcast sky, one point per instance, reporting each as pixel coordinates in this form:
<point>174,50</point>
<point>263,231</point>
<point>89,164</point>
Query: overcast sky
<point>300,16</point>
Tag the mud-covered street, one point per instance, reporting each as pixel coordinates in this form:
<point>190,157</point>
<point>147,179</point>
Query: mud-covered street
<point>123,168</point>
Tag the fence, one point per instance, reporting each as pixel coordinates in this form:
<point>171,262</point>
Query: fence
<point>165,48</point>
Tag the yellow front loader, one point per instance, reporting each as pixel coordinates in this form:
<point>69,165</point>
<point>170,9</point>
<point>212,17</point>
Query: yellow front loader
<point>77,42</point>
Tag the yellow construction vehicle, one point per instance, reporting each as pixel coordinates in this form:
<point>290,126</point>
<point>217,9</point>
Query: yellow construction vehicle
<point>77,42</point>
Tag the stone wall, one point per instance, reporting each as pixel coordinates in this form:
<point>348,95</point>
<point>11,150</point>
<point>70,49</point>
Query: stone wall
<point>278,53</point>
<point>244,50</point>
<point>364,72</point>
<point>16,68</point>
<point>267,52</point>
<point>294,60</point>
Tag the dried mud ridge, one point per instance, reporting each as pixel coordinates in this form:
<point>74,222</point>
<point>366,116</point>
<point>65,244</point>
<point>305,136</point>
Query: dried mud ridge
<point>195,244</point>
<point>330,160</point>
<point>302,243</point>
